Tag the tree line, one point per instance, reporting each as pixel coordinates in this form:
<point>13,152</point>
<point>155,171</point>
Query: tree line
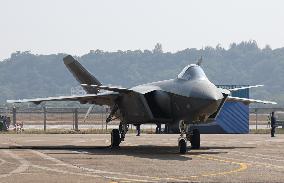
<point>27,75</point>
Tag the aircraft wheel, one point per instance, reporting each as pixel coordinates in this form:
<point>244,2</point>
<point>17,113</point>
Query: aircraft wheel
<point>115,138</point>
<point>195,139</point>
<point>182,146</point>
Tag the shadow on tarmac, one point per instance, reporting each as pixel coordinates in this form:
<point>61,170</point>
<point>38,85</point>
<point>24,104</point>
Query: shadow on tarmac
<point>142,151</point>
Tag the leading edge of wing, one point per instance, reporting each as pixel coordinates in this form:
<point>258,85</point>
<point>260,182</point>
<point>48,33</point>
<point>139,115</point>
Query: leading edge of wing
<point>64,98</point>
<point>141,89</point>
<point>248,101</point>
<point>109,88</point>
<point>245,87</point>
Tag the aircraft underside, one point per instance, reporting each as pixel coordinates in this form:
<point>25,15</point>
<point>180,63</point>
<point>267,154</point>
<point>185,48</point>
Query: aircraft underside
<point>163,107</point>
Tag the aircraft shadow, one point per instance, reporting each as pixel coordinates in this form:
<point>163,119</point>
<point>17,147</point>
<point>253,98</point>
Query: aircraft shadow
<point>142,151</point>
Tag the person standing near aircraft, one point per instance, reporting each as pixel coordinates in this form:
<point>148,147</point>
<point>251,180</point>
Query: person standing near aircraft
<point>158,128</point>
<point>273,124</point>
<point>268,121</point>
<point>138,129</point>
<point>5,123</point>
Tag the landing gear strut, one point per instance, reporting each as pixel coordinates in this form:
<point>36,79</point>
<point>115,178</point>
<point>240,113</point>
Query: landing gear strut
<point>118,135</point>
<point>182,141</point>
<point>123,128</point>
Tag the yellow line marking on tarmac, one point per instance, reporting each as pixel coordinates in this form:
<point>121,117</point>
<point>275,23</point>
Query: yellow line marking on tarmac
<point>264,157</point>
<point>249,162</point>
<point>242,167</point>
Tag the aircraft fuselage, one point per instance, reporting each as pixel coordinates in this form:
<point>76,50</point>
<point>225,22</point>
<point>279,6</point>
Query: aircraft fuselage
<point>170,101</point>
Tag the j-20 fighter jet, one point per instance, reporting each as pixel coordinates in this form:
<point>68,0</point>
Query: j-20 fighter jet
<point>188,99</point>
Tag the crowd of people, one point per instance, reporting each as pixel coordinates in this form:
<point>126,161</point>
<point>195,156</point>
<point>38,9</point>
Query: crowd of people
<point>4,123</point>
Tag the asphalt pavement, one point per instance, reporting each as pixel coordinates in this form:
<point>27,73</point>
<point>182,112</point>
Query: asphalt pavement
<point>148,158</point>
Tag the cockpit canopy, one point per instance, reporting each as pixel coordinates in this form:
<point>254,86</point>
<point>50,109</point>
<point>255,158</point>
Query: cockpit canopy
<point>192,71</point>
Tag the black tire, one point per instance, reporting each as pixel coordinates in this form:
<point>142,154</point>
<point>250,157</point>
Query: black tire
<point>195,139</point>
<point>182,146</point>
<point>115,138</point>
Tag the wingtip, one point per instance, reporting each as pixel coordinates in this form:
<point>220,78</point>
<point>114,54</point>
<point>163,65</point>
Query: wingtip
<point>9,101</point>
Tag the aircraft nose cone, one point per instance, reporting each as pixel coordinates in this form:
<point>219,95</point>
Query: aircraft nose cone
<point>212,100</point>
<point>212,95</point>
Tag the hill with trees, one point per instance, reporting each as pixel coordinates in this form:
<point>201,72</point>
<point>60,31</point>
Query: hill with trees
<point>26,75</point>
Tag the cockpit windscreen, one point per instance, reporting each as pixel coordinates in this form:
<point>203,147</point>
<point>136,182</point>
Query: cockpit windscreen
<point>192,72</point>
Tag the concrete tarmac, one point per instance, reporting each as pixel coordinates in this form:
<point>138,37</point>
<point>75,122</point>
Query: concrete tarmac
<point>148,158</point>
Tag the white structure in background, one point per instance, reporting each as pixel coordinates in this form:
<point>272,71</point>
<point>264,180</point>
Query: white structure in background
<point>78,90</point>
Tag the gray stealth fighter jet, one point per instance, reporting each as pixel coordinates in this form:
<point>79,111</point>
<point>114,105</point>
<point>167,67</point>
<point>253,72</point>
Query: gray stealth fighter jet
<point>188,99</point>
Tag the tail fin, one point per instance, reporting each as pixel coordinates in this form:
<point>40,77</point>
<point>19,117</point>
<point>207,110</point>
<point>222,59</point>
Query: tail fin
<point>81,74</point>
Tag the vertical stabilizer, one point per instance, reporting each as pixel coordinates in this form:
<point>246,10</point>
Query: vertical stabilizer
<point>81,74</point>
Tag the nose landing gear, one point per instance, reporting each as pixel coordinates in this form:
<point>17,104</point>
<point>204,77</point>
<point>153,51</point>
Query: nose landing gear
<point>182,141</point>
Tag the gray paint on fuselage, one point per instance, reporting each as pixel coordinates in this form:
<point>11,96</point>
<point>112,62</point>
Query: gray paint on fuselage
<point>189,100</point>
<point>197,88</point>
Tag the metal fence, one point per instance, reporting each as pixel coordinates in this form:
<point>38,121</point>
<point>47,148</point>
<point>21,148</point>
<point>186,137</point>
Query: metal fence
<point>72,118</point>
<point>260,117</point>
<point>69,118</point>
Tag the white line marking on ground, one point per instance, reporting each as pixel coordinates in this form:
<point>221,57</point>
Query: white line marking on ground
<point>2,162</point>
<point>143,178</point>
<point>20,169</point>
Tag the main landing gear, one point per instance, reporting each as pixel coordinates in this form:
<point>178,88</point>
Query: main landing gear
<point>118,135</point>
<point>115,138</point>
<point>192,136</point>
